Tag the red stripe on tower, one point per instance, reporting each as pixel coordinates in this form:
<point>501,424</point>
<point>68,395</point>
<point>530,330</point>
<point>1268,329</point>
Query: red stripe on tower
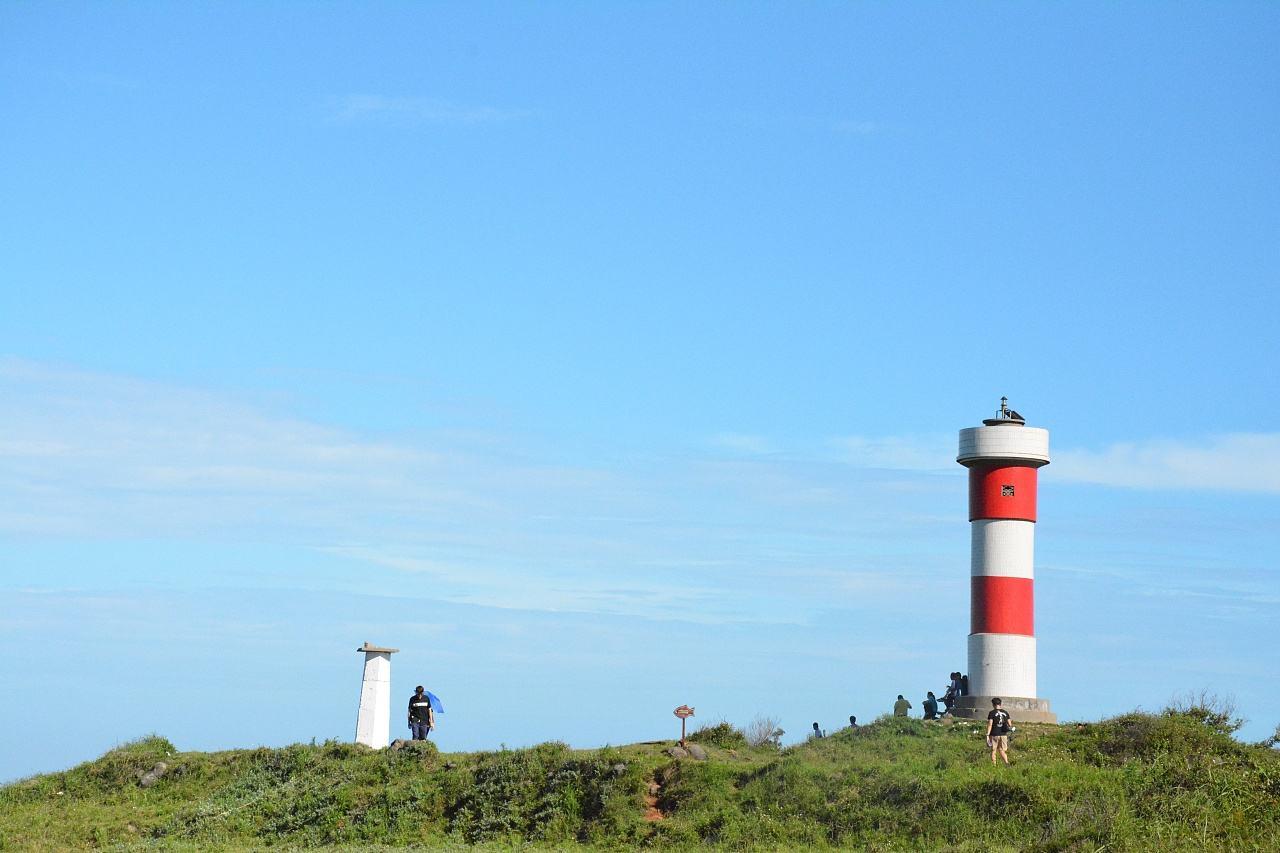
<point>1002,606</point>
<point>1002,491</point>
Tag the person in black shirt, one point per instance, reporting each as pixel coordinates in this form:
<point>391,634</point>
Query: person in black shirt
<point>998,728</point>
<point>421,718</point>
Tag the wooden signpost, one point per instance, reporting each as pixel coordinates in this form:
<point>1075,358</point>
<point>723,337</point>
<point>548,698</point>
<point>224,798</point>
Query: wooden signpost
<point>684,712</point>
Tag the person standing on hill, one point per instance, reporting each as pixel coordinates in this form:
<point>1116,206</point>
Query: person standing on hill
<point>901,707</point>
<point>422,719</point>
<point>998,728</point>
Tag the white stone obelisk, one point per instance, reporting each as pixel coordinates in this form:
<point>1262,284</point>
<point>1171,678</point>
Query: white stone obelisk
<point>373,723</point>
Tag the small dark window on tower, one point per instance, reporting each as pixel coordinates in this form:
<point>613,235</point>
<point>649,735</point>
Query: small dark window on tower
<point>1006,491</point>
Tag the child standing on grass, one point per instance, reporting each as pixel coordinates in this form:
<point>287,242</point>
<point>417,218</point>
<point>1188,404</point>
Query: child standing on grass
<point>998,731</point>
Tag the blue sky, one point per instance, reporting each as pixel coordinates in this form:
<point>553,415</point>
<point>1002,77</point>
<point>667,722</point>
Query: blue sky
<point>610,357</point>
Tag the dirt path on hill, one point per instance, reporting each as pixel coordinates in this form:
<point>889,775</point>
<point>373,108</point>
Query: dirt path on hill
<point>651,811</point>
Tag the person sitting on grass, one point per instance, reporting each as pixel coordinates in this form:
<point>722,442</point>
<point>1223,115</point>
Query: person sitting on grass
<point>901,707</point>
<point>930,707</point>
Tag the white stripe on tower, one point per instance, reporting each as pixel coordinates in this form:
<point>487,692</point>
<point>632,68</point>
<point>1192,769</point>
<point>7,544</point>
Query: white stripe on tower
<point>1003,546</point>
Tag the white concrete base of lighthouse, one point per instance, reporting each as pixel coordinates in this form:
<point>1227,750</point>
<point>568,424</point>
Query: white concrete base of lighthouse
<point>1021,709</point>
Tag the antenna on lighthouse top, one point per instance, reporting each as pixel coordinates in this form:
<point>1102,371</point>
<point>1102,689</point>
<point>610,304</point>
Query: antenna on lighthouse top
<point>1006,416</point>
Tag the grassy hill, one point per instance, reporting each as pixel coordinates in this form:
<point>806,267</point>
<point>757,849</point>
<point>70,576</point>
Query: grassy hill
<point>1168,781</point>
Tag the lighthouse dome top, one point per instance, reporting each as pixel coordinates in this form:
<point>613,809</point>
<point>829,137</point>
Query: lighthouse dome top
<point>1006,416</point>
<point>1004,437</point>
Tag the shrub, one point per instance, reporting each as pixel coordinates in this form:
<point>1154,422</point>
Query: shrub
<point>545,794</point>
<point>764,731</point>
<point>720,734</point>
<point>1217,713</point>
<point>126,763</point>
<point>342,749</point>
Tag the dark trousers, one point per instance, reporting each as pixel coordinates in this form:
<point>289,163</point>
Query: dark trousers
<point>420,730</point>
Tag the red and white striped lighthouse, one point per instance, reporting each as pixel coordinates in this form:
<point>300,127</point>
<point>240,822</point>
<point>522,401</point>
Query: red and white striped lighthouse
<point>1003,456</point>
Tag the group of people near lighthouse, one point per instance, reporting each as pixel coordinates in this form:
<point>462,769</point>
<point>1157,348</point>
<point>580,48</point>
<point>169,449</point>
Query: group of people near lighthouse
<point>999,723</point>
<point>957,686</point>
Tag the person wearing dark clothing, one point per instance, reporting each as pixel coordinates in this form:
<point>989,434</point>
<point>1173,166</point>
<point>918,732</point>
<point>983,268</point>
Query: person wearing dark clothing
<point>930,707</point>
<point>998,727</point>
<point>422,719</point>
<point>901,707</point>
<point>853,721</point>
<point>952,692</point>
<point>964,685</point>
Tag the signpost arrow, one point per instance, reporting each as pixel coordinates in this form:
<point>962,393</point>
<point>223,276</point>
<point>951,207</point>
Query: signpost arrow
<point>684,712</point>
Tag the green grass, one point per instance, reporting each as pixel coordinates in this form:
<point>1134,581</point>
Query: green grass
<point>1171,781</point>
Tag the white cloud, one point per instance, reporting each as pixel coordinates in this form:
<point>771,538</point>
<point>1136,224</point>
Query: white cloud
<point>904,453</point>
<point>485,522</point>
<point>649,595</point>
<point>421,110</point>
<point>1244,462</point>
<point>94,454</point>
